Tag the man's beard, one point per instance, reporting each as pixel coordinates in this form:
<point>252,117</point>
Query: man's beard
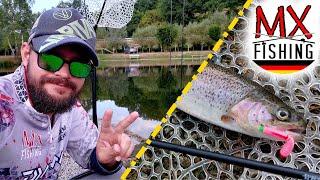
<point>45,103</point>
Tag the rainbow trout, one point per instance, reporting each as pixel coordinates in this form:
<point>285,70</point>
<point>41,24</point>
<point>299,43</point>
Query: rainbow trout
<point>224,98</point>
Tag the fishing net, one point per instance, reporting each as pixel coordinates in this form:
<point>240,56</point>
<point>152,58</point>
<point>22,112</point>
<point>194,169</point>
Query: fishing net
<point>301,92</point>
<point>115,14</point>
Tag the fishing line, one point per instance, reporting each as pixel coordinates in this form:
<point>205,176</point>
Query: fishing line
<point>181,68</point>
<point>170,31</point>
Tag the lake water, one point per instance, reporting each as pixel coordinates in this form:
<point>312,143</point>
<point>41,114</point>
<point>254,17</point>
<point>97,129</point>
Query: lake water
<point>150,91</point>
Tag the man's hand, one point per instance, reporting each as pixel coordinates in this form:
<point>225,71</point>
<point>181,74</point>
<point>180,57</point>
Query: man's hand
<point>113,144</point>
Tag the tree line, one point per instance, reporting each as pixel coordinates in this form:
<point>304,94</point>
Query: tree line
<point>156,25</point>
<point>160,25</point>
<point>16,19</point>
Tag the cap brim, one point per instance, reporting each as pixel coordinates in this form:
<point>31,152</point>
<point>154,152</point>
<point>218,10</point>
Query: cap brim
<point>45,43</point>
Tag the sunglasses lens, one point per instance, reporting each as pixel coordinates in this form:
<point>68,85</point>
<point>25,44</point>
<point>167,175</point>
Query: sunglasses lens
<point>80,70</point>
<point>50,62</point>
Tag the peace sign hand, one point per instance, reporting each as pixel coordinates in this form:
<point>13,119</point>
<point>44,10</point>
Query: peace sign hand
<point>113,144</point>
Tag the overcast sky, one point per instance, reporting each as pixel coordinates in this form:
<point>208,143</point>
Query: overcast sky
<point>40,5</point>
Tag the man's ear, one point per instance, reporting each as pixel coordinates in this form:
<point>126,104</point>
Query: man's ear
<point>25,53</point>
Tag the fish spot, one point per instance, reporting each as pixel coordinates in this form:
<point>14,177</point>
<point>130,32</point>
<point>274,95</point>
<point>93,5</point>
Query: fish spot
<point>226,119</point>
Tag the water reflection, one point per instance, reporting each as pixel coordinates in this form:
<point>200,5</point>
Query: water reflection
<point>141,127</point>
<point>150,91</point>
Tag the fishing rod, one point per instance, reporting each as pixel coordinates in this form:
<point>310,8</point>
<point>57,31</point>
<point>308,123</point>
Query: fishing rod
<point>94,96</point>
<point>94,76</point>
<point>275,169</point>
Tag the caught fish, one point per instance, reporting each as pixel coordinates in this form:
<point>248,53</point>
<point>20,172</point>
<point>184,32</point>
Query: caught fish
<point>221,97</point>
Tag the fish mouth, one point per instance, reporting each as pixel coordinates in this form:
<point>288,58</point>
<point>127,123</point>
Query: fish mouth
<point>295,129</point>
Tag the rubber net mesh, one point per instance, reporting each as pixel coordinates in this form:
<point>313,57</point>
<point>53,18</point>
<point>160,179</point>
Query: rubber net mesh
<point>115,14</point>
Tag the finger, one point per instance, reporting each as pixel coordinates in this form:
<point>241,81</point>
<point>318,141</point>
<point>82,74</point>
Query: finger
<point>117,149</point>
<point>113,151</point>
<point>106,120</point>
<point>118,158</point>
<point>106,144</point>
<point>106,153</point>
<point>125,143</point>
<point>129,152</point>
<point>126,122</point>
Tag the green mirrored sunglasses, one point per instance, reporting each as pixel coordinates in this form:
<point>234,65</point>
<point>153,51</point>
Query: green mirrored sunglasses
<point>54,63</point>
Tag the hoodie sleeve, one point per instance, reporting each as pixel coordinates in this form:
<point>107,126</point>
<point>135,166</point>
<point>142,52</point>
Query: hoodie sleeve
<point>82,138</point>
<point>7,118</point>
<point>82,143</point>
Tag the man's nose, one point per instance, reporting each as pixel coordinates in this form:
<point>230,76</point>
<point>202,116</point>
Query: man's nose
<point>64,71</point>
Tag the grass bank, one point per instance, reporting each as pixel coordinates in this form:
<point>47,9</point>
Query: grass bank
<point>9,63</point>
<point>154,55</point>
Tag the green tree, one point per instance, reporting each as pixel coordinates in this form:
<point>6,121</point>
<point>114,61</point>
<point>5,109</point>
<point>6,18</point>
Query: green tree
<point>76,4</point>
<point>111,39</point>
<point>115,38</point>
<point>15,21</point>
<point>167,35</point>
<point>197,34</point>
<point>101,44</point>
<point>133,24</point>
<point>140,8</point>
<point>189,10</point>
<point>71,3</point>
<point>101,33</point>
<point>63,4</point>
<point>178,41</point>
<point>151,17</point>
<point>215,32</point>
<point>145,5</point>
<point>146,37</point>
<point>230,6</point>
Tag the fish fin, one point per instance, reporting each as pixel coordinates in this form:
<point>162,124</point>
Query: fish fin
<point>226,119</point>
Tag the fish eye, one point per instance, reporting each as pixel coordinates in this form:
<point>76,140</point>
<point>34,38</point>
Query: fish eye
<point>283,114</point>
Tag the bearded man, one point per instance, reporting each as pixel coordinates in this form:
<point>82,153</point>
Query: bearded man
<point>40,115</point>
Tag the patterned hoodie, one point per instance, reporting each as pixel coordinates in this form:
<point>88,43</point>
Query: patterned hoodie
<point>29,147</point>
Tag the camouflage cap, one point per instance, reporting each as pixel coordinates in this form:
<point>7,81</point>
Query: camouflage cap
<point>63,26</point>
